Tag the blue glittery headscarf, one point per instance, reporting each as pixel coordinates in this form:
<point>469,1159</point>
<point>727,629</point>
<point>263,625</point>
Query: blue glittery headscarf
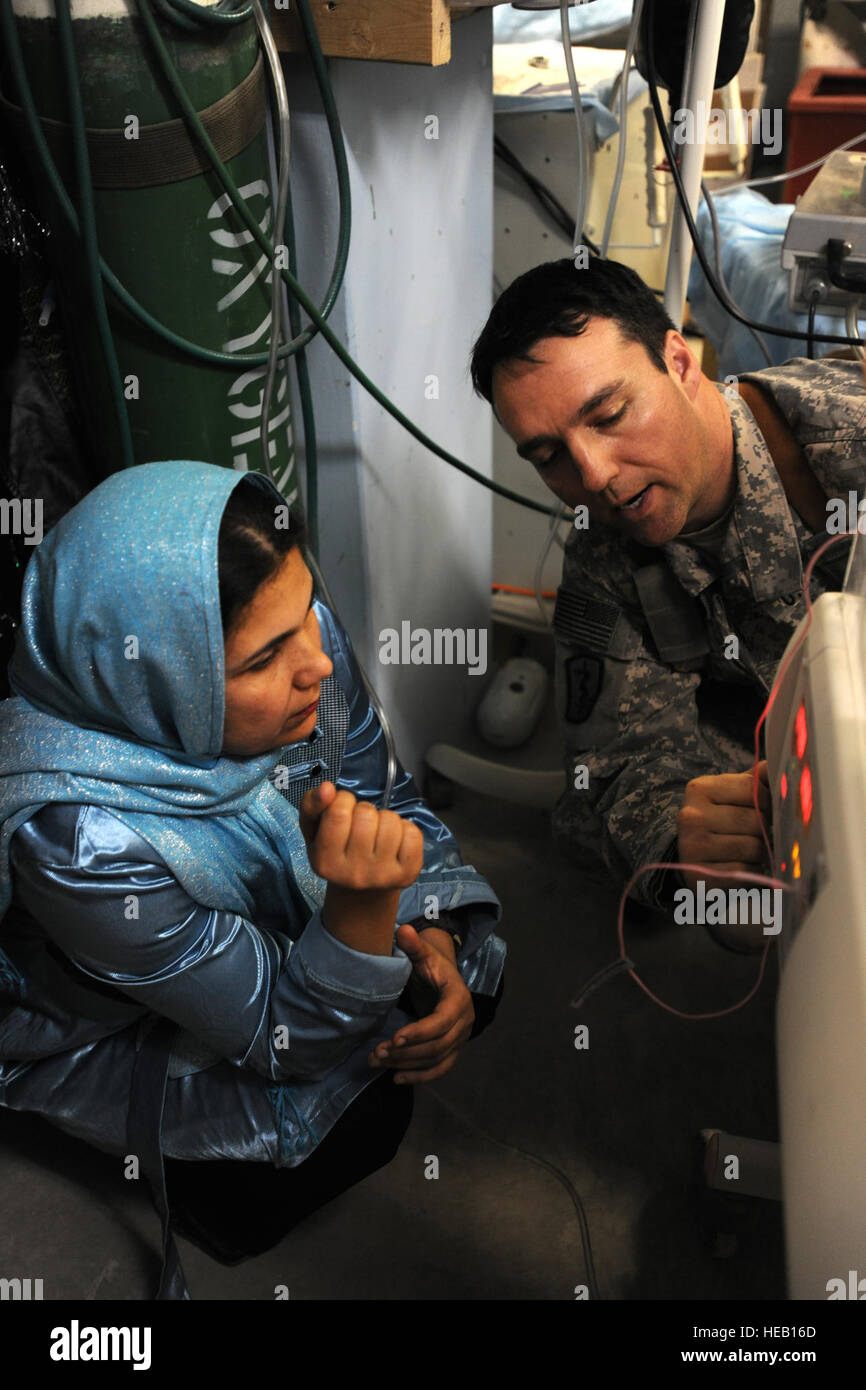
<point>119,681</point>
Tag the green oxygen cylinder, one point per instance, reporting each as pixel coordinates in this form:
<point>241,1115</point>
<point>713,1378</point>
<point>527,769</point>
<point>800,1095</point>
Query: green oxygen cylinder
<point>165,228</point>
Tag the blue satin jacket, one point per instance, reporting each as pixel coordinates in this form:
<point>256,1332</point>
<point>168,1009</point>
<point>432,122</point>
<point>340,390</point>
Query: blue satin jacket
<point>277,1017</point>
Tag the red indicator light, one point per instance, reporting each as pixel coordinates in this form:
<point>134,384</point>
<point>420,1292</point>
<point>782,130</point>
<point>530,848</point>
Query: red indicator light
<point>784,785</point>
<point>806,794</point>
<point>800,734</point>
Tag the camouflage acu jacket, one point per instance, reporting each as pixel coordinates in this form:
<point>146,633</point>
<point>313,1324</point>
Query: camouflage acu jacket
<point>647,705</point>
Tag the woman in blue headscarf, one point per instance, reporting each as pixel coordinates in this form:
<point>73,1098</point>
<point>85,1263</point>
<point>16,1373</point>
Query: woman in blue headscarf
<point>198,893</point>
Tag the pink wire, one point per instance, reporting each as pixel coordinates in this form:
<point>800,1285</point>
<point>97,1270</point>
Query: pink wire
<point>714,873</point>
<point>782,672</point>
<point>735,873</point>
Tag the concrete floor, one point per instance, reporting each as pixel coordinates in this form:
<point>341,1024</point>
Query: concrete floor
<point>620,1119</point>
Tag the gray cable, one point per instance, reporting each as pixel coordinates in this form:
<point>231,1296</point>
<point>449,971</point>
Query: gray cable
<point>717,256</point>
<point>623,127</point>
<point>561,1178</point>
<point>552,530</point>
<point>689,60</point>
<point>792,173</point>
<point>278,80</point>
<point>374,698</point>
<point>278,310</point>
<point>852,328</point>
<point>582,190</point>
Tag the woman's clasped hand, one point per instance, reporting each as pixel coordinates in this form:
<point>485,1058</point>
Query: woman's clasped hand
<point>367,856</point>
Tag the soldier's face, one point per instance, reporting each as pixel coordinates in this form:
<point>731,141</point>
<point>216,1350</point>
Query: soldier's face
<point>606,429</point>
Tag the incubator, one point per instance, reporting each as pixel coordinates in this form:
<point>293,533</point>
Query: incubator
<point>816,751</point>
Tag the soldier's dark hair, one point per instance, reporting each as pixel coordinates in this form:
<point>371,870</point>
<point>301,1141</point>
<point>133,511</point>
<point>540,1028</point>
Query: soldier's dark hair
<point>251,546</point>
<point>556,300</point>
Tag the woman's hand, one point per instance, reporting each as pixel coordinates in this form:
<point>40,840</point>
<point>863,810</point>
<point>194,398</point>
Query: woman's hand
<point>366,856</point>
<point>354,844</point>
<point>427,1049</point>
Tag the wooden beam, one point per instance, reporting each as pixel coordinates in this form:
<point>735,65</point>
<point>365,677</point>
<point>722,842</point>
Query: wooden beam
<point>393,31</point>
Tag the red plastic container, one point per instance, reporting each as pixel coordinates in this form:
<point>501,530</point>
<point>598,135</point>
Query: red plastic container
<point>827,106</point>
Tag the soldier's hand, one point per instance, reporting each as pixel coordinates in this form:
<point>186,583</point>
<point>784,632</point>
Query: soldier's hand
<point>717,825</point>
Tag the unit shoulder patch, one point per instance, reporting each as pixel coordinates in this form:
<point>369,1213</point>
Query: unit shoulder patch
<point>583,680</point>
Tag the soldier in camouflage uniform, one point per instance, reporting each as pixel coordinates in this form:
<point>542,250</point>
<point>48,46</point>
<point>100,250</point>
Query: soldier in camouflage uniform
<point>680,595</point>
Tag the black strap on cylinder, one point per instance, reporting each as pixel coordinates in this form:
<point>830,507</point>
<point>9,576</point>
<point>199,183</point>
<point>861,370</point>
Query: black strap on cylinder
<point>143,1128</point>
<point>162,153</point>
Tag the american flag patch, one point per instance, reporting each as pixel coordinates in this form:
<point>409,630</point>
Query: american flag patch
<point>589,622</point>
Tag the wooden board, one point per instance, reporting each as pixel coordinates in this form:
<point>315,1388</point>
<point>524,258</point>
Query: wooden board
<point>395,31</point>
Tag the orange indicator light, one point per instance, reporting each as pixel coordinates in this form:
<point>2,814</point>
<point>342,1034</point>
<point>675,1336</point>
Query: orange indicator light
<point>795,856</point>
<point>800,732</point>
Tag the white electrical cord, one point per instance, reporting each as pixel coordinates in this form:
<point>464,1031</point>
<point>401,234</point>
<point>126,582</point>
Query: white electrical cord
<point>552,530</point>
<point>791,173</point>
<point>384,721</point>
<point>852,328</point>
<point>689,60</point>
<point>582,189</point>
<point>278,80</point>
<point>623,127</point>
<point>277,308</point>
<point>720,272</point>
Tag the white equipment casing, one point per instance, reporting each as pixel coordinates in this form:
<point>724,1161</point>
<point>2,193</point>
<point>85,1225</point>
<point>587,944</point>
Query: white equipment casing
<point>833,207</point>
<point>821,1013</point>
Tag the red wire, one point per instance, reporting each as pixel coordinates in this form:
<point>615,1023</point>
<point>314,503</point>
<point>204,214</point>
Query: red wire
<point>735,873</point>
<point>782,672</point>
<point>716,873</point>
<point>510,589</point>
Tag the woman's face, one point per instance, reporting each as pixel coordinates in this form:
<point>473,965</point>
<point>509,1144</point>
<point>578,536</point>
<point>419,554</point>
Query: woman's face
<point>274,665</point>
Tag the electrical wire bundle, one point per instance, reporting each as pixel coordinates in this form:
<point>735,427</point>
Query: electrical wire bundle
<point>317,315</point>
<point>719,290</point>
<point>548,200</point>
